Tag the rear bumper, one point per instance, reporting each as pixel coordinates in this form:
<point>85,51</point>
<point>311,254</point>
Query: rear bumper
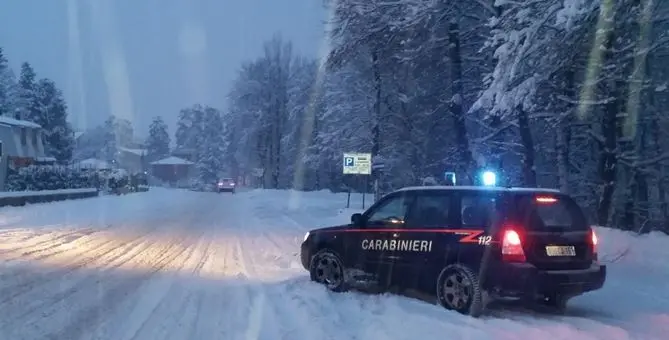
<point>522,279</point>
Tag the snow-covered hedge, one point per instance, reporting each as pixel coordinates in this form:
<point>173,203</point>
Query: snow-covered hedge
<point>52,177</point>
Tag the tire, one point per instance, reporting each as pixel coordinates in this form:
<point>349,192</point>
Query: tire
<point>451,297</point>
<point>328,260</point>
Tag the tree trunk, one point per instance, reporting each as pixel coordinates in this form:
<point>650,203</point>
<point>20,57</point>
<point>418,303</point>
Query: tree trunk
<point>608,159</point>
<point>563,135</point>
<point>529,172</point>
<point>455,105</point>
<point>376,114</point>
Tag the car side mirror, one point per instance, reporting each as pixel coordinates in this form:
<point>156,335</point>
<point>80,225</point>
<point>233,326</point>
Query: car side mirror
<point>357,220</point>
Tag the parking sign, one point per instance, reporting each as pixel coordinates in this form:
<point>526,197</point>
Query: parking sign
<point>357,164</point>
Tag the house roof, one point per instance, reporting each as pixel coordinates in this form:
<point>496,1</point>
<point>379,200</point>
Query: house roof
<point>17,122</point>
<point>172,161</point>
<point>138,152</point>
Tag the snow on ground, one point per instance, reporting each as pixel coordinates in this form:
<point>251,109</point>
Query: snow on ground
<point>177,264</point>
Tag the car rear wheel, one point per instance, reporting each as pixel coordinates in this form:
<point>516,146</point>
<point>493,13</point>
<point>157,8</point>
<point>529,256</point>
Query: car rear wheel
<point>327,268</point>
<point>459,289</point>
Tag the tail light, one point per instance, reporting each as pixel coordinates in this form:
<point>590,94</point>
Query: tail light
<point>545,199</point>
<point>512,246</point>
<point>593,242</point>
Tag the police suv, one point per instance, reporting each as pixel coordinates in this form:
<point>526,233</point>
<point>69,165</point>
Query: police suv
<point>469,245</point>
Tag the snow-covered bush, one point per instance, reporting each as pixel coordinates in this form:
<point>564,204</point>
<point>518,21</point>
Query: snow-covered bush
<point>51,177</point>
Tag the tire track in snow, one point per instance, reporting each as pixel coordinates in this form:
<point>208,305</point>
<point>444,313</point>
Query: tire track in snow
<point>208,300</point>
<point>12,291</point>
<point>257,297</point>
<point>50,305</point>
<point>232,300</point>
<point>91,316</point>
<point>45,241</point>
<point>296,321</point>
<point>114,259</point>
<point>162,315</point>
<point>156,293</point>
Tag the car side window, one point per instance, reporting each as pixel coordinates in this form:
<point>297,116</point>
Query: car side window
<point>478,210</point>
<point>394,208</point>
<point>430,211</point>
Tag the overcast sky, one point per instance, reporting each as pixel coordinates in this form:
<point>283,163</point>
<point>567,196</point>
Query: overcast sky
<point>141,58</point>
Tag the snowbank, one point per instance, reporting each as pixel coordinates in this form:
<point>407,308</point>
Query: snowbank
<point>45,192</point>
<point>104,210</point>
<point>627,248</point>
<point>20,198</point>
<point>311,208</point>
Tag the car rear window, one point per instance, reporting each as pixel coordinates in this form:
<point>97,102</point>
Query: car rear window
<point>547,212</point>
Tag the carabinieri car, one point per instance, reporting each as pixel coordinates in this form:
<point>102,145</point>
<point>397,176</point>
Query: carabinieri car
<point>468,245</point>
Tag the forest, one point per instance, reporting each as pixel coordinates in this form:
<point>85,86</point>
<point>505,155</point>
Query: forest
<point>568,94</point>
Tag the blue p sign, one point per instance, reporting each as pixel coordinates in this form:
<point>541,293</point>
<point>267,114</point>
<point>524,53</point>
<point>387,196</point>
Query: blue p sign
<point>348,161</point>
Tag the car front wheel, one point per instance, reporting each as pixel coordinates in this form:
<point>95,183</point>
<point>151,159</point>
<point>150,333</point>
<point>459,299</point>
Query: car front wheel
<point>327,268</point>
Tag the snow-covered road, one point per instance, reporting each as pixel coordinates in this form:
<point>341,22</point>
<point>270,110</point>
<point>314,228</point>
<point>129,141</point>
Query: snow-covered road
<point>173,264</point>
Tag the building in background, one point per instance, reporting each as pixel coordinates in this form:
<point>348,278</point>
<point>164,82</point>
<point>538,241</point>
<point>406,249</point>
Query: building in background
<point>132,159</point>
<point>22,145</point>
<point>173,170</point>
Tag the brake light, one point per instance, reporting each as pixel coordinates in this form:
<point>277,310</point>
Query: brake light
<point>545,199</point>
<point>593,242</point>
<point>512,247</point>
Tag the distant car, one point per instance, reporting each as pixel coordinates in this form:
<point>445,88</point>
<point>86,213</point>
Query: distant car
<point>226,185</point>
<point>470,245</point>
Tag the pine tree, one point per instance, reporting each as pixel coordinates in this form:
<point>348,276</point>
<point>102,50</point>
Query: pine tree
<point>52,116</point>
<point>26,96</point>
<point>189,128</point>
<point>211,147</point>
<point>7,87</point>
<point>109,149</point>
<point>158,142</point>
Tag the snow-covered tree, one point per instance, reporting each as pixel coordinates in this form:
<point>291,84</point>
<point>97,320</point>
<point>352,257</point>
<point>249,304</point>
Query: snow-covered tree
<point>211,147</point>
<point>189,128</point>
<point>7,87</point>
<point>27,93</point>
<point>260,97</point>
<point>51,114</point>
<point>92,143</point>
<point>158,142</point>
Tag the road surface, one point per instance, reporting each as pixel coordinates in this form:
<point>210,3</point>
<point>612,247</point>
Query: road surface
<point>172,264</point>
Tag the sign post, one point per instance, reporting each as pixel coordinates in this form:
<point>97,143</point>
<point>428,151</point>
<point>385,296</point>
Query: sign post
<point>358,164</point>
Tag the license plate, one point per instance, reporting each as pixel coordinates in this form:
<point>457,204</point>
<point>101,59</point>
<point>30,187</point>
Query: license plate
<point>560,251</point>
